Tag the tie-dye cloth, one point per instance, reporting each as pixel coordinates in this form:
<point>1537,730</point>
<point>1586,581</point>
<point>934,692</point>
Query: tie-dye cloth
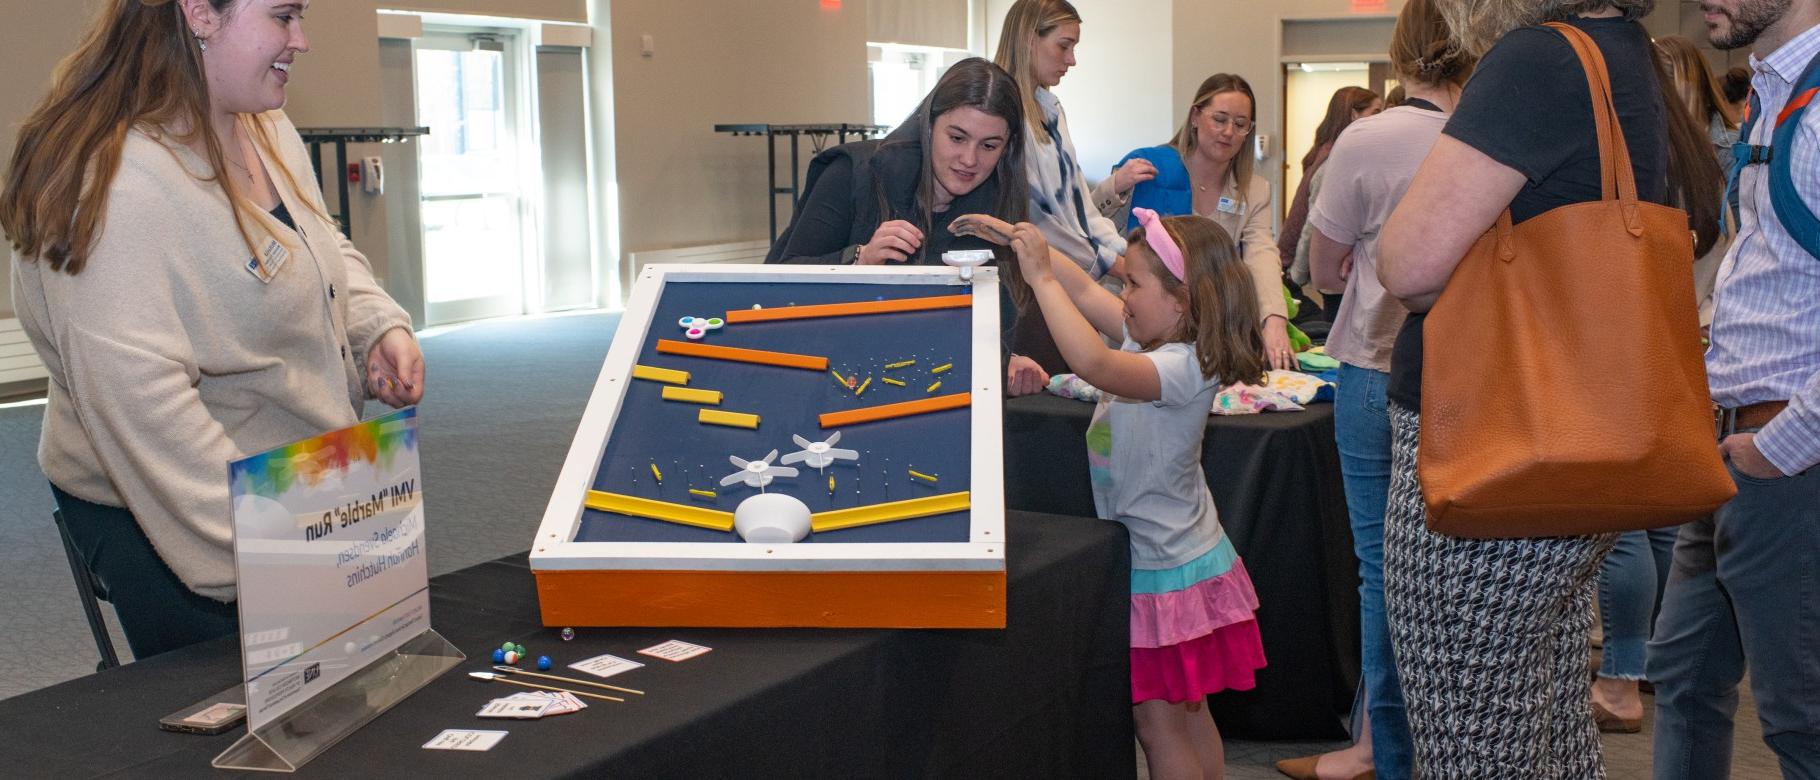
<point>1283,391</point>
<point>1061,203</point>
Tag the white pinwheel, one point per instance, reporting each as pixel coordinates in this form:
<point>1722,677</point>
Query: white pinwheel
<point>756,473</point>
<point>821,454</point>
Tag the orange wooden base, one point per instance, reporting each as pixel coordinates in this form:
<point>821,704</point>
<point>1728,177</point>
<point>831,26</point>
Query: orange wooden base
<point>735,599</point>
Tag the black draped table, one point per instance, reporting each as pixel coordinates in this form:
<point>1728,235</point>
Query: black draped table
<point>1046,697</point>
<point>1275,478</point>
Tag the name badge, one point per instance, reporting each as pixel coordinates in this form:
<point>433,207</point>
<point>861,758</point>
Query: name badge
<point>1229,206</point>
<point>271,258</point>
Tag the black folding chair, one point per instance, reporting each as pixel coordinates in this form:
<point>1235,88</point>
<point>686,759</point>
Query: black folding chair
<point>92,593</point>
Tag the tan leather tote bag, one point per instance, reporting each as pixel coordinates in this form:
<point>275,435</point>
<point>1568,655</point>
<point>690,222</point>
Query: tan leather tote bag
<point>1552,406</point>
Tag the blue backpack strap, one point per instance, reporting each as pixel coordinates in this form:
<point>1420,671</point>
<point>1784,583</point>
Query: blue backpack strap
<point>1744,153</point>
<point>1791,210</point>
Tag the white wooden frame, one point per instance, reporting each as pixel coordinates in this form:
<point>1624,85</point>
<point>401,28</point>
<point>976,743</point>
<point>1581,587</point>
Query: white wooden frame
<point>554,548</point>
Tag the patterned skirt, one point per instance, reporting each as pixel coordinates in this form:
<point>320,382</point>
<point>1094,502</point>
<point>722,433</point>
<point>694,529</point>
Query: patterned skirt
<point>1194,629</point>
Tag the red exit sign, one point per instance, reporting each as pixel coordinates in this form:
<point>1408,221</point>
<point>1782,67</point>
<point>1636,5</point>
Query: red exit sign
<point>1369,6</point>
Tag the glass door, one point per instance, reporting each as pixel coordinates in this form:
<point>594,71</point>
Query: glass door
<point>474,210</point>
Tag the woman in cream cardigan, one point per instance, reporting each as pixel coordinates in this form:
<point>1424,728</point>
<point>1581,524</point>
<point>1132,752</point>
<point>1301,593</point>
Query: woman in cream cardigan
<point>188,293</point>
<point>1206,169</point>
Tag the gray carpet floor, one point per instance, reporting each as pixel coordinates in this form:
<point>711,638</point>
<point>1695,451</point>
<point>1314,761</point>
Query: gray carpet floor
<point>502,403</point>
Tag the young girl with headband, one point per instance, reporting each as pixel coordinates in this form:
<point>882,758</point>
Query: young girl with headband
<point>1188,325</point>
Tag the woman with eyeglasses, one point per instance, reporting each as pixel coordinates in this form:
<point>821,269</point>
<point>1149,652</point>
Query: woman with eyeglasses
<point>1206,170</point>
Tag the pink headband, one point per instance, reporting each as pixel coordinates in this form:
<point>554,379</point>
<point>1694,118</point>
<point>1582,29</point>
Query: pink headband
<point>1160,242</point>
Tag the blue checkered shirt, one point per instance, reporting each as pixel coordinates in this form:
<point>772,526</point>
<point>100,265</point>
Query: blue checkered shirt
<point>1766,317</point>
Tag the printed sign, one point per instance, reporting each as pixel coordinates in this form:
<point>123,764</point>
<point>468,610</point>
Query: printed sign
<point>329,549</point>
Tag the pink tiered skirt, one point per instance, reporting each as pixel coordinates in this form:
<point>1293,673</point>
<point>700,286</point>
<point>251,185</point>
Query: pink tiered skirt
<point>1194,630</point>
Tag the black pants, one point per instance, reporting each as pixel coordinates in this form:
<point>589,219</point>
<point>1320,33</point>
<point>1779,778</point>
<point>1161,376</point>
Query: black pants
<point>157,611</point>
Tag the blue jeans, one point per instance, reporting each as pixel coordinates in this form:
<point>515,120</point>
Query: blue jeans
<point>1362,431</point>
<point>1745,590</point>
<point>1631,582</point>
<point>157,611</point>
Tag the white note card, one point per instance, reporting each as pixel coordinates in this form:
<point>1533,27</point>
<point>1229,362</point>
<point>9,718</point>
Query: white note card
<point>515,708</point>
<point>605,665</point>
<point>675,650</point>
<point>464,739</point>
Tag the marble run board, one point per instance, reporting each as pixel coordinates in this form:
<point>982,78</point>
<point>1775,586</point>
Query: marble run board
<point>908,535</point>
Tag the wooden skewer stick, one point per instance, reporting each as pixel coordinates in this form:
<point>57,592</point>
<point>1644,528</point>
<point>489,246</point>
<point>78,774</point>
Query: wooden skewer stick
<point>496,677</point>
<point>570,680</point>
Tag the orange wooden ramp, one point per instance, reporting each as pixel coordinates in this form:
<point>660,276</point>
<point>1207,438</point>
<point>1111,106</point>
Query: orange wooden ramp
<point>791,599</point>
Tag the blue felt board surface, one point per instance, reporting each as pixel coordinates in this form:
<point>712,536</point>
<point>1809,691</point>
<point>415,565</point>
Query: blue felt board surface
<point>788,401</point>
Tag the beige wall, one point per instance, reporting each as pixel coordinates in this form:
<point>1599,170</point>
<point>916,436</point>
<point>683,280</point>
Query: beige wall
<point>34,40</point>
<point>776,61</point>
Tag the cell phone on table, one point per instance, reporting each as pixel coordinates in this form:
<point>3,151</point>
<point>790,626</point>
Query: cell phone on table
<point>218,713</point>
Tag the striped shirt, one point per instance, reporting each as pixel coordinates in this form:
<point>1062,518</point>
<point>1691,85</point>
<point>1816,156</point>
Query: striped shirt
<point>1766,319</point>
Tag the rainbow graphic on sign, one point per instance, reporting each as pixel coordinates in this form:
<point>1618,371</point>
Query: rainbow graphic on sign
<point>309,461</point>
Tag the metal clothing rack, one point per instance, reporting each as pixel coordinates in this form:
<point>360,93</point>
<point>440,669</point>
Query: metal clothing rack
<point>818,138</point>
<point>341,137</point>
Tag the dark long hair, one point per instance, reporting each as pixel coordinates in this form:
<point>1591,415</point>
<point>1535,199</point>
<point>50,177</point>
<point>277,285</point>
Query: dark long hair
<point>970,83</point>
<point>1345,102</point>
<point>1735,84</point>
<point>1695,182</point>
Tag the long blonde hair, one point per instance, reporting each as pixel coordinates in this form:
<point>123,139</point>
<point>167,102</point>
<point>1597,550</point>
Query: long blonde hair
<point>1694,81</point>
<point>1185,141</point>
<point>1477,24</point>
<point>1025,20</point>
<point>138,67</point>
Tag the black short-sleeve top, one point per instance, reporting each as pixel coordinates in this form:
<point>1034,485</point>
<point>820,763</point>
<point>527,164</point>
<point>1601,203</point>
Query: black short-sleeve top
<point>1528,107</point>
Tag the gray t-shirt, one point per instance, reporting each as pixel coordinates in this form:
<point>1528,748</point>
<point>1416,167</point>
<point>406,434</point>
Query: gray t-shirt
<point>1145,461</point>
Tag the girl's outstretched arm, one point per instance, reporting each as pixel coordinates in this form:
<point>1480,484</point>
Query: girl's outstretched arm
<point>1121,373</point>
<point>1104,311</point>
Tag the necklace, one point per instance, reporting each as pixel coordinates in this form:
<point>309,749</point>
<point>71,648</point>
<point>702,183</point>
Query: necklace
<point>1199,186</point>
